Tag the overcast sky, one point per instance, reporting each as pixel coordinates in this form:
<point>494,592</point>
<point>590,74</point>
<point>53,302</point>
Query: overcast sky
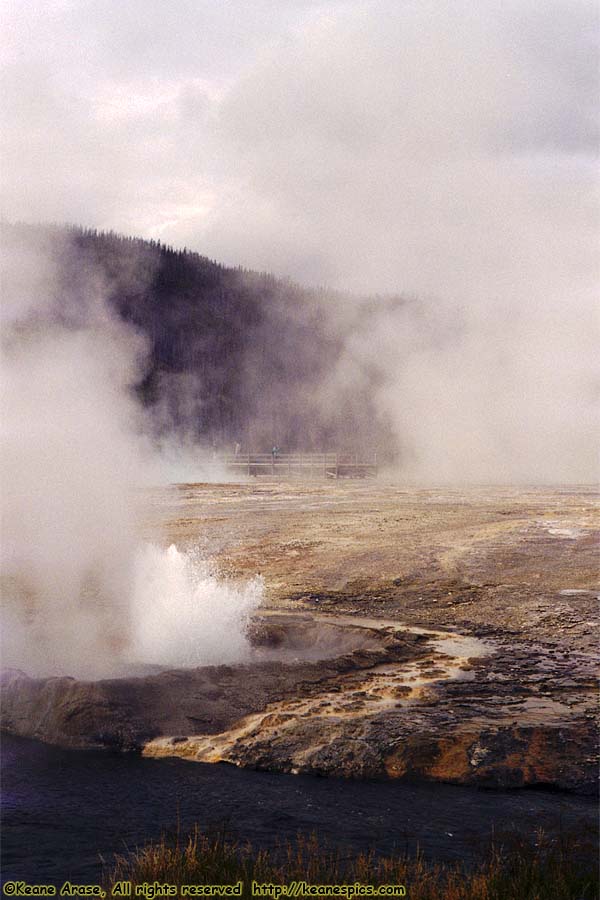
<point>381,145</point>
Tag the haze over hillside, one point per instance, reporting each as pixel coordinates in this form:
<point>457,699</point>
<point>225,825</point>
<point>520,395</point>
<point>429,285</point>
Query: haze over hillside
<point>220,356</point>
<point>230,356</point>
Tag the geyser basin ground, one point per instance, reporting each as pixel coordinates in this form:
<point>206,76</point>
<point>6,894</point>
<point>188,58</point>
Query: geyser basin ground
<point>441,635</point>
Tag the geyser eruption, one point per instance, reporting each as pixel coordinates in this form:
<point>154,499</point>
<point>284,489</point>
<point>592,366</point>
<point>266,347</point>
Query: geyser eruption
<point>182,614</point>
<point>74,461</point>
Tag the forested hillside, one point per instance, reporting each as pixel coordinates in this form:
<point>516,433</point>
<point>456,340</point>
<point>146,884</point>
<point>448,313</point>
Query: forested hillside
<point>234,356</point>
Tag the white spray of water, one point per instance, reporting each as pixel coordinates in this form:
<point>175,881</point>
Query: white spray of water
<point>184,615</point>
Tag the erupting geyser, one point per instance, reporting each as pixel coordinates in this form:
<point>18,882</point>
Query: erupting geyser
<point>82,594</point>
<point>180,614</point>
<point>183,615</point>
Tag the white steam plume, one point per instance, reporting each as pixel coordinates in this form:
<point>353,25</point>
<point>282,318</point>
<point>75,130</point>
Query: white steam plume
<point>175,599</point>
<point>73,457</point>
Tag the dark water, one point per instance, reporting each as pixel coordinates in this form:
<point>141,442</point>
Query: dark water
<point>62,810</point>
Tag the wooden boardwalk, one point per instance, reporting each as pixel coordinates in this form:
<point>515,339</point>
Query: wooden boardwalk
<point>301,465</point>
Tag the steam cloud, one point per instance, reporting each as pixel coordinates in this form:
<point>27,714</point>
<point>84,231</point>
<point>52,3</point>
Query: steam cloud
<point>81,593</point>
<point>208,625</point>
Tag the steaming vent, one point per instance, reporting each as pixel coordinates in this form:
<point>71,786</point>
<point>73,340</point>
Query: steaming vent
<point>182,615</point>
<point>179,614</point>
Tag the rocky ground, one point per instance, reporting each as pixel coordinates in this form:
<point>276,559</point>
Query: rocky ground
<point>472,617</point>
<point>521,560</point>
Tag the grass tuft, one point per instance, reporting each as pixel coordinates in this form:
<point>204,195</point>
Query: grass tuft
<point>545,868</point>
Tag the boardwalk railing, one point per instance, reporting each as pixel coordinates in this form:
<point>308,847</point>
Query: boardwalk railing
<point>301,465</point>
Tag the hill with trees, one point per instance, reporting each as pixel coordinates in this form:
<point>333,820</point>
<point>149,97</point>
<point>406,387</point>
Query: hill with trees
<point>234,356</point>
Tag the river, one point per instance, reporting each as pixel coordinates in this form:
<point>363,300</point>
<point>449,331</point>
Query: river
<point>62,810</point>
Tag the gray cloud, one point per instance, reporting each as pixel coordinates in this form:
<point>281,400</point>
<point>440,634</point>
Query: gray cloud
<point>323,129</point>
